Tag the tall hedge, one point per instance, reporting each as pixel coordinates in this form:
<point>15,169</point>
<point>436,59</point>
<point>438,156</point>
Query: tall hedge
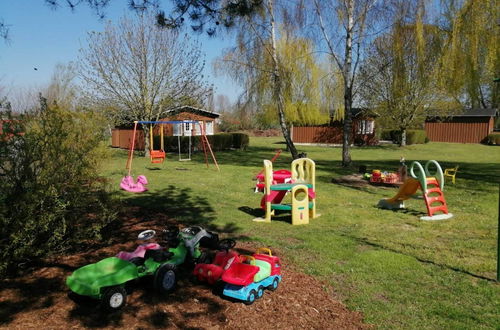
<point>218,142</point>
<point>240,141</point>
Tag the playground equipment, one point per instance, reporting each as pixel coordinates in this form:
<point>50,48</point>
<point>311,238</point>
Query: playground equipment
<point>432,186</point>
<point>129,184</point>
<point>156,156</point>
<point>451,172</point>
<point>279,176</point>
<point>303,192</point>
<point>247,281</point>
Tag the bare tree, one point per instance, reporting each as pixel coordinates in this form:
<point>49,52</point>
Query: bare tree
<point>346,27</point>
<point>142,70</point>
<point>62,88</point>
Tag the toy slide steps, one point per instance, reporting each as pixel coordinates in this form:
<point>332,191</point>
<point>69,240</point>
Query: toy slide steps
<point>435,202</point>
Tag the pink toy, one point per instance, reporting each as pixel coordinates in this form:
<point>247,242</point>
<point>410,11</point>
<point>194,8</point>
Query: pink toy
<point>128,184</point>
<point>139,252</point>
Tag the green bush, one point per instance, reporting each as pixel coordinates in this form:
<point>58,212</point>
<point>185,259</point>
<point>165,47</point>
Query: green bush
<point>493,138</point>
<point>240,141</point>
<point>218,142</point>
<point>52,198</point>
<point>385,134</point>
<point>416,136</point>
<point>221,141</point>
<point>413,136</point>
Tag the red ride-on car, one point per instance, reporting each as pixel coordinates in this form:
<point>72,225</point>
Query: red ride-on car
<point>211,273</point>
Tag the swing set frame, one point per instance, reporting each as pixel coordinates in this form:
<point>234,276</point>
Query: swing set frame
<point>160,154</point>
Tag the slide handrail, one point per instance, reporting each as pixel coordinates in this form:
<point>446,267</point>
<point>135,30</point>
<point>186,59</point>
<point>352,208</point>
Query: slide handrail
<point>424,172</point>
<point>438,174</point>
<point>421,175</point>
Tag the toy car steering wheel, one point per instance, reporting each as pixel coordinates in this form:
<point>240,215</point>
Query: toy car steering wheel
<point>147,234</point>
<point>226,244</point>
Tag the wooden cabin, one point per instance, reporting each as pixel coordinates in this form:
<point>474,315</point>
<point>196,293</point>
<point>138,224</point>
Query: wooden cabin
<point>122,136</point>
<point>465,126</point>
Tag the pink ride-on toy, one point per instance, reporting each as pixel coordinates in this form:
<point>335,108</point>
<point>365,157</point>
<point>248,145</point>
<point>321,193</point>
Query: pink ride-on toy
<point>224,259</point>
<point>140,251</point>
<point>128,184</point>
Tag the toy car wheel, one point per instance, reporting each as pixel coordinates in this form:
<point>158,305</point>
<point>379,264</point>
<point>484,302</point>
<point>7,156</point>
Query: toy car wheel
<point>251,297</point>
<point>166,278</point>
<point>260,291</point>
<point>274,285</point>
<point>114,298</point>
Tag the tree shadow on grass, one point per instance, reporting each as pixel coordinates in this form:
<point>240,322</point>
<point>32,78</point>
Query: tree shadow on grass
<point>284,216</point>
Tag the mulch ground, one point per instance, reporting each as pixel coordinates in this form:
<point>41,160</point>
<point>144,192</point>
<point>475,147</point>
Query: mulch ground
<point>42,300</point>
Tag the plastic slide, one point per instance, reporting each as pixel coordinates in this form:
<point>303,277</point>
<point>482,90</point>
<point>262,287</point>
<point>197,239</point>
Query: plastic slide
<point>409,188</point>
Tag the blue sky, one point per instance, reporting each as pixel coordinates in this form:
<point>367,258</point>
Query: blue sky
<point>41,37</point>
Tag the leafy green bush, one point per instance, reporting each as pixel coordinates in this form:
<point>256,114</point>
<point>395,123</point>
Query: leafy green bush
<point>413,136</point>
<point>416,136</point>
<point>240,141</point>
<point>493,138</point>
<point>218,142</point>
<point>385,134</point>
<point>52,198</point>
<point>221,141</point>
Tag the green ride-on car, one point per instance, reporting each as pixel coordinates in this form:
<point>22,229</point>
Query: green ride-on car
<point>106,279</point>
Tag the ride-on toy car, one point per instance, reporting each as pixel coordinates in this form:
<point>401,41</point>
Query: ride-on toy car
<point>247,281</point>
<point>106,279</point>
<point>211,273</point>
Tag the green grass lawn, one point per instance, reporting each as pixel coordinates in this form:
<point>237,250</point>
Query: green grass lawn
<point>400,272</point>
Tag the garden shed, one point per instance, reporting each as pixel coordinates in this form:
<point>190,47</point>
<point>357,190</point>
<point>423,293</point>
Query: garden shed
<point>122,136</point>
<point>363,130</point>
<point>465,126</point>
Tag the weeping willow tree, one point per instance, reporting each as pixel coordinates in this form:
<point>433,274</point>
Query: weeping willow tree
<point>472,59</point>
<point>302,82</point>
<point>400,73</point>
<point>303,79</point>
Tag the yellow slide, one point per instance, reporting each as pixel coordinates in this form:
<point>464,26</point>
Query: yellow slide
<point>409,188</point>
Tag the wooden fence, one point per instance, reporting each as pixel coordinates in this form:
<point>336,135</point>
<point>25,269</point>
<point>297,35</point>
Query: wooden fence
<point>122,138</point>
<point>459,129</point>
<point>329,135</point>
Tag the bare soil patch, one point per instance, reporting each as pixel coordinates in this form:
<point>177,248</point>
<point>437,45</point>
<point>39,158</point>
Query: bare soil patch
<point>41,299</point>
<point>352,180</point>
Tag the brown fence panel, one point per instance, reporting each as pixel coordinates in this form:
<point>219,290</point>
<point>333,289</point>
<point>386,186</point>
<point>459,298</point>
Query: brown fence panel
<point>125,139</point>
<point>459,130</point>
<point>317,134</point>
<point>115,138</point>
<point>329,135</point>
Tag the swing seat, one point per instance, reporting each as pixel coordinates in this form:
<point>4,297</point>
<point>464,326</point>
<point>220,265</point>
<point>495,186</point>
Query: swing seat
<point>157,156</point>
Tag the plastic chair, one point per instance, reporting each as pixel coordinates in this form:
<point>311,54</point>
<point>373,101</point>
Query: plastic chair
<point>451,172</point>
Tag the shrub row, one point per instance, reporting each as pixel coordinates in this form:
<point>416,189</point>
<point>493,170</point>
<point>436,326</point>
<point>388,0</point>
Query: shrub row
<point>493,138</point>
<point>218,142</point>
<point>413,136</point>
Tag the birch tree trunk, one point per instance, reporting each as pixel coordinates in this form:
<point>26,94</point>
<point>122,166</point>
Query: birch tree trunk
<point>346,136</point>
<point>278,87</point>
